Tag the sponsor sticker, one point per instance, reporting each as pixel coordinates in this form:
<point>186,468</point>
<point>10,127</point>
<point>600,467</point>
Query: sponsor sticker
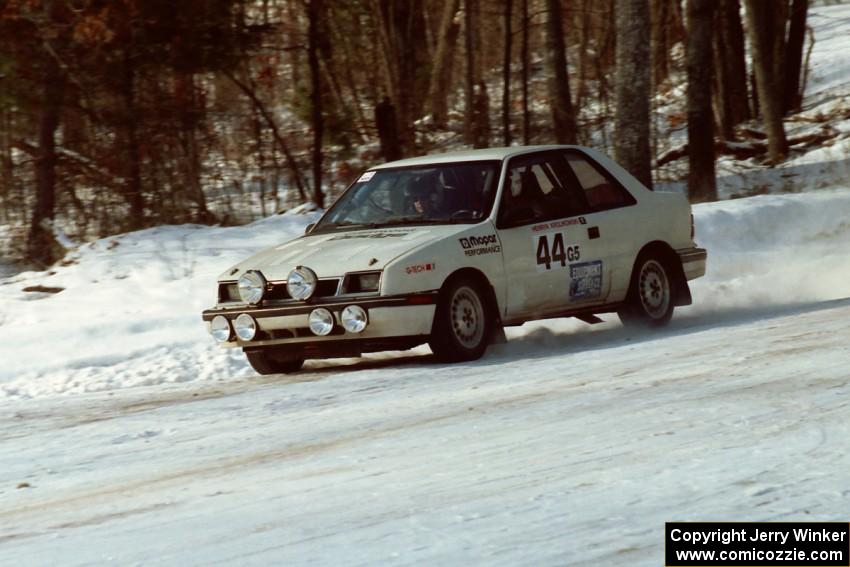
<point>382,234</point>
<point>366,177</point>
<point>478,245</point>
<point>419,268</point>
<point>586,280</point>
<point>559,224</point>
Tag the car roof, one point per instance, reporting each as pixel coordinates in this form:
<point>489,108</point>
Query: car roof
<point>469,155</point>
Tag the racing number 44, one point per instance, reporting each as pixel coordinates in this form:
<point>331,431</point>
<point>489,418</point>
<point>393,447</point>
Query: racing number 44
<point>557,253</point>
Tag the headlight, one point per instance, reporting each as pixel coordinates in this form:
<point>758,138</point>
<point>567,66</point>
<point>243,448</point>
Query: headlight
<point>220,329</point>
<point>354,319</point>
<point>363,282</point>
<point>252,286</point>
<point>245,327</point>
<point>321,321</point>
<point>301,283</point>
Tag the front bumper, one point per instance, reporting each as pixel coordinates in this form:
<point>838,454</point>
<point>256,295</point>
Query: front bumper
<point>693,262</point>
<point>394,319</point>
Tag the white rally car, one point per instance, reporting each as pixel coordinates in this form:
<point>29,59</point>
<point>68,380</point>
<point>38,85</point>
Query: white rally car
<point>448,249</point>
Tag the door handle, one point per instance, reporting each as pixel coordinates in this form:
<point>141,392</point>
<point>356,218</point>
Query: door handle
<point>593,232</point>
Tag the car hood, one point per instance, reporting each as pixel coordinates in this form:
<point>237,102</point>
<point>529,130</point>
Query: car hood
<point>334,254</point>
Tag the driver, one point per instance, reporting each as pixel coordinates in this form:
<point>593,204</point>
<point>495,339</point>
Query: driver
<point>425,196</point>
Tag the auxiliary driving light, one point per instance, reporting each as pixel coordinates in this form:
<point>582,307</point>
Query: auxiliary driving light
<point>245,327</point>
<point>301,283</point>
<point>321,321</point>
<point>252,287</point>
<point>220,329</point>
<point>354,319</point>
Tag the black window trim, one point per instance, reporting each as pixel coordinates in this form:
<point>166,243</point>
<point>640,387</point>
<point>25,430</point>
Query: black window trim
<point>604,173</point>
<point>500,223</point>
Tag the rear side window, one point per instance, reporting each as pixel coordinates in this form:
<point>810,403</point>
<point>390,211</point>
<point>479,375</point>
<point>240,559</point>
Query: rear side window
<point>600,188</point>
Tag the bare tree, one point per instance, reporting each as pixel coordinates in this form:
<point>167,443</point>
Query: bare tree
<point>563,116</point>
<point>631,121</point>
<point>506,73</point>
<point>314,18</point>
<point>794,55</point>
<point>440,85</point>
<point>702,185</point>
<point>760,28</point>
<point>731,93</point>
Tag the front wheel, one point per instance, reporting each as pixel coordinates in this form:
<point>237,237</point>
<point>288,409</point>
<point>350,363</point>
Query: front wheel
<point>462,323</point>
<point>649,302</point>
<point>273,361</point>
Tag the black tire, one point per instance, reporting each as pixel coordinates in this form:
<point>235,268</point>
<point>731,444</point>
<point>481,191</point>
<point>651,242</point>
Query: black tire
<point>273,361</point>
<point>650,300</point>
<point>462,323</point>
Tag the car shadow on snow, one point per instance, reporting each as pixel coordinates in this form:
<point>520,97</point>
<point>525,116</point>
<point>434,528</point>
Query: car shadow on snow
<point>543,341</point>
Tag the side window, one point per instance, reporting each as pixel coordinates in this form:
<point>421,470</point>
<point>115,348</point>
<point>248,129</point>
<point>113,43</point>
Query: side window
<point>601,190</point>
<point>538,189</point>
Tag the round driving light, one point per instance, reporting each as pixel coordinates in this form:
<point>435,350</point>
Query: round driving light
<point>252,286</point>
<point>245,327</point>
<point>354,319</point>
<point>301,283</point>
<point>321,322</point>
<point>220,329</point>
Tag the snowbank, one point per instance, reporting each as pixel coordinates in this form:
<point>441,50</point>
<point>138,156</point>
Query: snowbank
<point>129,314</point>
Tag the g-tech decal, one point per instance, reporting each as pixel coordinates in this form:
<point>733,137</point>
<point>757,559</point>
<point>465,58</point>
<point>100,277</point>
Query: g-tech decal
<point>419,268</point>
<point>586,280</point>
<point>478,245</point>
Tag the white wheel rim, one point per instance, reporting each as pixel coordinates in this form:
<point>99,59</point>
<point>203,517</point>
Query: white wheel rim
<point>654,289</point>
<point>467,317</point>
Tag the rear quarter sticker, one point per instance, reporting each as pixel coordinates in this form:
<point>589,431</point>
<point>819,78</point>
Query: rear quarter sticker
<point>586,280</point>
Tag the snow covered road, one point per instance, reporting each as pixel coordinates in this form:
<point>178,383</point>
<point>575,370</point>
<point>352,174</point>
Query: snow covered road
<point>554,449</point>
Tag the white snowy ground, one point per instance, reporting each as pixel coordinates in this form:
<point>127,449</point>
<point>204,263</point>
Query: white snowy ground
<point>126,437</point>
<point>569,444</point>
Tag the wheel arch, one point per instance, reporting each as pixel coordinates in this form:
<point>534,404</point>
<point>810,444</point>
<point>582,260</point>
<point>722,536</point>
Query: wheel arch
<point>487,287</point>
<point>665,253</point>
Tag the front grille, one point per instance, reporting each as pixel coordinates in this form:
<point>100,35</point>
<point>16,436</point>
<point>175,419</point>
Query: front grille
<point>325,288</point>
<point>228,292</point>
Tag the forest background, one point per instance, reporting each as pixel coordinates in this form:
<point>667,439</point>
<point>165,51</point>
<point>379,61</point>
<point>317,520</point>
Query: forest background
<point>117,115</point>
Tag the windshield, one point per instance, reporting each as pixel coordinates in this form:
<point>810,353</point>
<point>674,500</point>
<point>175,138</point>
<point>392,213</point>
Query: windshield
<point>431,194</point>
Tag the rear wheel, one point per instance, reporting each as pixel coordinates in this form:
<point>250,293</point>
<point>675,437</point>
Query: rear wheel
<point>273,361</point>
<point>462,323</point>
<point>649,302</point>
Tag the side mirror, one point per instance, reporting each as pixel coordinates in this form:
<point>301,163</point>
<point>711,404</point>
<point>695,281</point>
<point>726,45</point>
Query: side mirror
<point>309,227</point>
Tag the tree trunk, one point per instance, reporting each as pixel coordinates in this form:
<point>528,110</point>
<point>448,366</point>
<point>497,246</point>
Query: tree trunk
<point>440,84</point>
<point>794,56</point>
<point>314,16</point>
<point>731,97</point>
<point>702,185</point>
<point>506,73</point>
<point>134,196</point>
<point>41,244</point>
<point>760,30</point>
<point>660,40</point>
<point>471,15</point>
<point>631,120</point>
<point>563,116</point>
<point>526,117</point>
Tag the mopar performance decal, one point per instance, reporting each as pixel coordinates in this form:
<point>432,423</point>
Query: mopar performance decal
<point>478,245</point>
<point>586,280</point>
